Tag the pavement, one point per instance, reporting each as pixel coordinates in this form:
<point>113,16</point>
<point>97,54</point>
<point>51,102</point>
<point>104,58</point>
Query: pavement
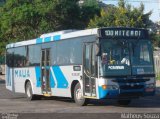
<point>16,105</point>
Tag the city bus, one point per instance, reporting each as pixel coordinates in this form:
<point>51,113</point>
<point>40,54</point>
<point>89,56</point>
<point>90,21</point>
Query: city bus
<point>100,63</point>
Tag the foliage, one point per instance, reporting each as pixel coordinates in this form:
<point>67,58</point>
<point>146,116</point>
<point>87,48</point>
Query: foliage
<point>28,19</point>
<point>158,77</point>
<point>155,39</point>
<point>123,15</point>
<point>89,9</point>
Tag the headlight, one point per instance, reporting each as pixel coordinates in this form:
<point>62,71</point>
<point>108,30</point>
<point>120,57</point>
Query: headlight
<point>152,85</point>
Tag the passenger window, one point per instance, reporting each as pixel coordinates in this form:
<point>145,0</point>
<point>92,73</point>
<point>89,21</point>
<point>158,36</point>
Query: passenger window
<point>20,57</point>
<point>10,57</point>
<point>34,55</point>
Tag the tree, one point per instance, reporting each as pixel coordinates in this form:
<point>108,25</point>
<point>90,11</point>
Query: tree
<point>27,19</point>
<point>123,15</point>
<point>89,9</point>
<point>17,21</point>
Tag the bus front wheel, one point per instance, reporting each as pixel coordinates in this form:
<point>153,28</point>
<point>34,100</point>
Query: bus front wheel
<point>29,92</point>
<point>78,97</point>
<point>124,102</point>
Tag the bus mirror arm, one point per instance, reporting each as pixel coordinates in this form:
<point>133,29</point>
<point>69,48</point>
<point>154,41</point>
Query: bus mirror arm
<point>97,47</point>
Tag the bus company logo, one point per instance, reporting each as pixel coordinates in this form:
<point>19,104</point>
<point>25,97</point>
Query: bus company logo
<point>115,67</point>
<point>22,73</point>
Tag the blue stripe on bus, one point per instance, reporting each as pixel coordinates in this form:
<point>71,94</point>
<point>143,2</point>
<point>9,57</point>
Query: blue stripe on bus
<point>102,93</point>
<point>107,93</point>
<point>61,80</point>
<point>47,39</point>
<point>52,83</point>
<point>57,37</point>
<point>39,40</point>
<point>38,76</point>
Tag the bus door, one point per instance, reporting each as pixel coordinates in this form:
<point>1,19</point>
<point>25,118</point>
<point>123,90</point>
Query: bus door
<point>89,70</point>
<point>45,72</point>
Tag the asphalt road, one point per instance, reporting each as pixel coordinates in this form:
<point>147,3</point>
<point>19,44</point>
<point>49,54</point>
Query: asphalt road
<point>17,103</point>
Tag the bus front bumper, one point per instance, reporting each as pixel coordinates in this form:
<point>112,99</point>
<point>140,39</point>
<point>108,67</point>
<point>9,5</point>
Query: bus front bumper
<point>125,94</point>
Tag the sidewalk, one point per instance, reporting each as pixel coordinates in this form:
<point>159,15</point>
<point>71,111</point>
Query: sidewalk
<point>158,83</point>
<point>158,87</point>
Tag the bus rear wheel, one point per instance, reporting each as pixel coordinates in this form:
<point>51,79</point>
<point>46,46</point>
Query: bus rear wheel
<point>29,92</point>
<point>124,102</point>
<point>78,97</point>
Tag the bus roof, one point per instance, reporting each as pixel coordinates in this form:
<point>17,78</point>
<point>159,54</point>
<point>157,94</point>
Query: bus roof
<point>106,32</point>
<point>56,36</point>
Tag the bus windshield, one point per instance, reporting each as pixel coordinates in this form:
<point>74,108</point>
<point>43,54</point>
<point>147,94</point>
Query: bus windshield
<point>141,57</point>
<point>125,57</point>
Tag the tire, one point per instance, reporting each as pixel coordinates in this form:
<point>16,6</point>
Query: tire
<point>79,100</point>
<point>124,102</point>
<point>29,92</point>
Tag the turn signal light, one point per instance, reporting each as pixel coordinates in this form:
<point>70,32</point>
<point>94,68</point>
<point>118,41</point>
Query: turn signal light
<point>104,87</point>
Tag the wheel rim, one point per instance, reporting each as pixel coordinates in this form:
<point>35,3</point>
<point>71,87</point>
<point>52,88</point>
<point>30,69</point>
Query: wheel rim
<point>79,94</point>
<point>28,92</point>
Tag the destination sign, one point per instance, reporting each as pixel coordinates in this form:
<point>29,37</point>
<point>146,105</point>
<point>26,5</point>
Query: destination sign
<point>123,33</point>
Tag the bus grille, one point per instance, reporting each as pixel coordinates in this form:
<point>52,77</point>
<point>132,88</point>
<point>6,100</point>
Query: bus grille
<point>128,87</point>
<point>130,94</point>
<point>130,80</point>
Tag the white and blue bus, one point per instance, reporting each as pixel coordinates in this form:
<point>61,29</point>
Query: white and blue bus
<point>100,63</point>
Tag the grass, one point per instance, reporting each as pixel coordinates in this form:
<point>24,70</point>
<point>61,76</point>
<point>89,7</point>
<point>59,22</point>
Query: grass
<point>158,77</point>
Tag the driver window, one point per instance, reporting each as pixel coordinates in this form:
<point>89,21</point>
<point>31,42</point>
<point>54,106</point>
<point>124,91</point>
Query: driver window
<point>115,53</point>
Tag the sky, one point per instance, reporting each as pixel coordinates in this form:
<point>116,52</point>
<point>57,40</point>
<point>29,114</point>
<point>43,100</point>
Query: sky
<point>153,5</point>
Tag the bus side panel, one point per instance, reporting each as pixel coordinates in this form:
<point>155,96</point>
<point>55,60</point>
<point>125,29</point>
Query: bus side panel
<point>20,75</point>
<point>36,79</point>
<point>23,74</point>
<point>63,77</point>
<point>9,78</point>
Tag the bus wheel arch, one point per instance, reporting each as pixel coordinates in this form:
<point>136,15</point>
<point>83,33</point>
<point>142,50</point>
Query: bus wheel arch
<point>29,90</point>
<point>78,96</point>
<point>72,87</point>
<point>27,80</point>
